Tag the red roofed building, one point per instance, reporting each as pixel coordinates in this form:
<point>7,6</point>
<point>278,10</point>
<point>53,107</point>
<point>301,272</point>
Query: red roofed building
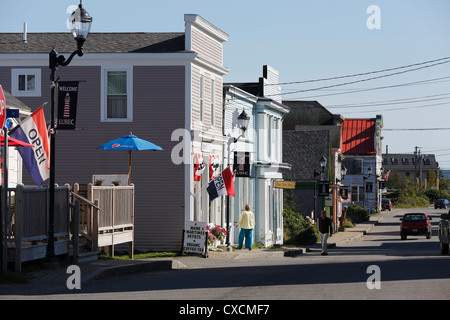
<point>358,136</point>
<point>362,149</point>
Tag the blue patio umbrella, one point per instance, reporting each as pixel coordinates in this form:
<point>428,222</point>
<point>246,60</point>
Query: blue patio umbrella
<point>130,142</point>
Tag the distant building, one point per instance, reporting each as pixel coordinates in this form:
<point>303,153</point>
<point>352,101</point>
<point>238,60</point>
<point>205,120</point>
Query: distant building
<point>361,147</point>
<point>423,166</point>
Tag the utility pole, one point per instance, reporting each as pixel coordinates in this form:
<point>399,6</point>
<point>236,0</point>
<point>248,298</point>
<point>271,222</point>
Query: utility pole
<point>418,160</point>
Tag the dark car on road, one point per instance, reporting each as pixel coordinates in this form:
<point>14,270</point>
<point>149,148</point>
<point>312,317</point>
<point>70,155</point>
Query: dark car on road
<point>442,204</point>
<point>415,224</point>
<point>386,204</point>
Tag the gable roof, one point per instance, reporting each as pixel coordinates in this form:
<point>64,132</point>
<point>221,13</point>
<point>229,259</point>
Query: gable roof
<point>358,136</point>
<point>137,42</point>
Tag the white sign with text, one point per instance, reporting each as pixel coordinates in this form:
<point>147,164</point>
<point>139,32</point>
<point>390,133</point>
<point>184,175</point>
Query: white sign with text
<point>194,237</point>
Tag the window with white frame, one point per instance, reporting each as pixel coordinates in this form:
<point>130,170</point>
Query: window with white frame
<point>357,193</point>
<point>117,100</point>
<point>26,82</point>
<point>212,101</point>
<point>276,143</point>
<point>202,91</point>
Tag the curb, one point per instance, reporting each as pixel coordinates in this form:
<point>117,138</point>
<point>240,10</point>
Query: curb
<point>133,268</point>
<point>170,264</point>
<point>356,236</point>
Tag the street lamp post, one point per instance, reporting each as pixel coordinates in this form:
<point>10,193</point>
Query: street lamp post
<point>80,24</point>
<point>323,164</point>
<point>243,120</point>
<point>369,171</point>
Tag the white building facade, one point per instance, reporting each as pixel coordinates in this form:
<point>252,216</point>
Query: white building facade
<point>259,152</point>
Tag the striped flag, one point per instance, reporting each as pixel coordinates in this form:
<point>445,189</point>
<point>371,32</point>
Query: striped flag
<point>221,185</point>
<point>33,130</point>
<point>386,176</point>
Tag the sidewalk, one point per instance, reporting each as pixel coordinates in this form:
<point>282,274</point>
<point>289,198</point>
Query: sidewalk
<point>105,268</point>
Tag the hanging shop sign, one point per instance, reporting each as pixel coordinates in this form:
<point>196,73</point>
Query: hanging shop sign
<point>67,105</point>
<point>279,184</point>
<point>242,164</point>
<point>343,191</point>
<point>324,188</point>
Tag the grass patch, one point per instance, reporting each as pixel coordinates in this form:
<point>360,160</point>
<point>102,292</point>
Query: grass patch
<point>140,256</point>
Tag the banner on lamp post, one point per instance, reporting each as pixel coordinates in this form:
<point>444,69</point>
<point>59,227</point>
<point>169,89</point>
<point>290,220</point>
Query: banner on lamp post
<point>67,105</point>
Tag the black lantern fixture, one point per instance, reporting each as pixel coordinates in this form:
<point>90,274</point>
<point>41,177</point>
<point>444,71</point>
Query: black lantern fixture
<point>343,171</point>
<point>323,163</point>
<point>80,25</point>
<point>243,120</point>
<point>369,171</point>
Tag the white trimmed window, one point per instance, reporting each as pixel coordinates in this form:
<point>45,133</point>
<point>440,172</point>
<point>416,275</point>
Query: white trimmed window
<point>212,101</point>
<point>117,102</point>
<point>26,82</point>
<point>202,91</point>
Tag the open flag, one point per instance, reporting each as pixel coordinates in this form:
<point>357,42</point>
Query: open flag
<point>221,185</point>
<point>33,130</point>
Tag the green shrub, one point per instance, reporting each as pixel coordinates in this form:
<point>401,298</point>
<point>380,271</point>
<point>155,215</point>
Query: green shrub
<point>433,195</point>
<point>357,214</point>
<point>414,201</point>
<point>297,229</point>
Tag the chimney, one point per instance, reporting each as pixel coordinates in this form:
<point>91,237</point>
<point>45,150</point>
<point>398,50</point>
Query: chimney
<point>24,40</point>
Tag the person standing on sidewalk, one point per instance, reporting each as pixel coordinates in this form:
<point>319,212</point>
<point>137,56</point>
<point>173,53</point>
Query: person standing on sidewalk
<point>247,224</point>
<point>324,229</point>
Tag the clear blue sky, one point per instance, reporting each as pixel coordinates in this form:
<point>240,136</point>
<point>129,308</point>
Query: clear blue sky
<point>305,40</point>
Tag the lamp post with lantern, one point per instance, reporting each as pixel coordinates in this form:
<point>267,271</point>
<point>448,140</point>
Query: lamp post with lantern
<point>243,121</point>
<point>80,25</point>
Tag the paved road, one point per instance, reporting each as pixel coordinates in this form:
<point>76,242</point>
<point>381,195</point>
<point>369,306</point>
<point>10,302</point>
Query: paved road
<point>407,269</point>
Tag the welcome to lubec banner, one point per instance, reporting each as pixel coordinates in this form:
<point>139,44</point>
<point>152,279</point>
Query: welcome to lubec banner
<point>67,105</point>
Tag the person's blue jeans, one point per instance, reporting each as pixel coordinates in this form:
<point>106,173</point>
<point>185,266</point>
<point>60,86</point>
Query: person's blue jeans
<point>247,234</point>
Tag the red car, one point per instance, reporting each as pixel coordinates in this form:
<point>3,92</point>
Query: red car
<point>415,224</point>
<point>386,204</point>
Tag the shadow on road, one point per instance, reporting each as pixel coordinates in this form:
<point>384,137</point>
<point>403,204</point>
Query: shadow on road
<point>237,277</point>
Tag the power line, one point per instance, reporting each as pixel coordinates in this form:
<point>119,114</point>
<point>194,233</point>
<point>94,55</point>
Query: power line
<point>390,102</point>
<point>416,129</point>
<point>358,81</point>
<point>402,108</point>
<point>364,73</point>
<point>428,81</point>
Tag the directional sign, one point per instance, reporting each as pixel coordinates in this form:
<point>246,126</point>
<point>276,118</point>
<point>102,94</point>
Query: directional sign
<point>2,107</point>
<point>284,184</point>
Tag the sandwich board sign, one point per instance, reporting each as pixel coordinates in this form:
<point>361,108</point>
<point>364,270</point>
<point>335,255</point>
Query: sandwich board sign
<point>195,238</point>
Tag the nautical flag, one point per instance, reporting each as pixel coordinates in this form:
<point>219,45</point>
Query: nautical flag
<point>214,164</point>
<point>221,185</point>
<point>199,166</point>
<point>33,130</point>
